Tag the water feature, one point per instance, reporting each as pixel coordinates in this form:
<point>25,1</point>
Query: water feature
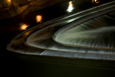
<point>12,27</point>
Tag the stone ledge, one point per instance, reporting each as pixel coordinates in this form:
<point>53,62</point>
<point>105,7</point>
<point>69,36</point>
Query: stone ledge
<point>32,5</point>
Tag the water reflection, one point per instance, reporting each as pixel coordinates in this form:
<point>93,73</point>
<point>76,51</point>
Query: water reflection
<point>27,33</point>
<point>95,1</point>
<point>23,26</point>
<point>9,1</point>
<point>70,7</point>
<point>38,18</point>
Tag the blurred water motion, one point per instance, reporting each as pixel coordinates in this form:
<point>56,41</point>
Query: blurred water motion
<point>95,1</point>
<point>24,26</point>
<point>38,18</point>
<point>41,41</point>
<point>70,7</point>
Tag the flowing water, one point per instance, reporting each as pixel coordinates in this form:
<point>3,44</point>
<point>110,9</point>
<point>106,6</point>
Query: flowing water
<point>11,27</point>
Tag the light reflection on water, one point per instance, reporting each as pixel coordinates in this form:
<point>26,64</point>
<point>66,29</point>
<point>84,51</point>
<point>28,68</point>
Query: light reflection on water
<point>95,1</point>
<point>70,7</point>
<point>9,2</point>
<point>23,26</point>
<point>38,18</point>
